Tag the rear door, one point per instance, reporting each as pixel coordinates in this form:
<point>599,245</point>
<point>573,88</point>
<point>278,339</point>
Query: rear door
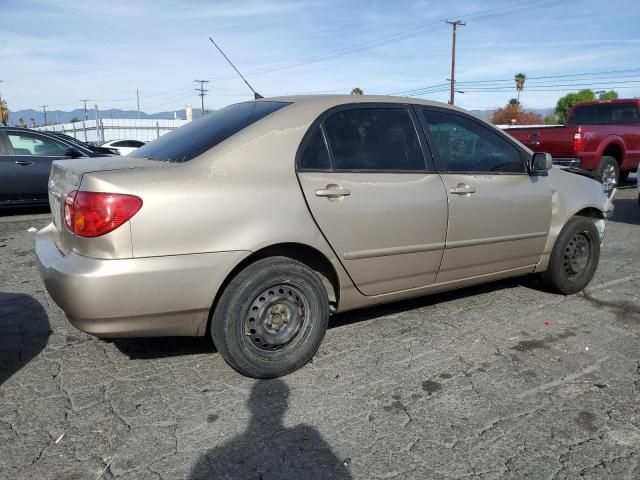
<point>33,154</point>
<point>499,215</point>
<point>380,206</point>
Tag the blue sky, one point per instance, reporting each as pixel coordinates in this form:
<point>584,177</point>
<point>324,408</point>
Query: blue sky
<point>55,52</point>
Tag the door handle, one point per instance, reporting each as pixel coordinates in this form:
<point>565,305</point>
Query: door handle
<point>23,162</point>
<point>534,143</point>
<point>463,189</point>
<point>333,191</point>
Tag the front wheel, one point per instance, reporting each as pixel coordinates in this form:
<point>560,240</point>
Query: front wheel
<point>271,318</point>
<point>574,257</point>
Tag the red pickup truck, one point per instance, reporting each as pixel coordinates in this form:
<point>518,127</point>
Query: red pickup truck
<point>601,136</point>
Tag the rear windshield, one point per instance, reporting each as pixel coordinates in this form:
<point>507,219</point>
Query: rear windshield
<point>604,114</point>
<point>195,138</point>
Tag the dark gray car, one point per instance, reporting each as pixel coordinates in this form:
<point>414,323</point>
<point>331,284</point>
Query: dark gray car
<point>25,162</point>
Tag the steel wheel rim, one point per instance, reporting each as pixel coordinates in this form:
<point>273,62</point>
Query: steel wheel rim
<point>577,254</point>
<point>275,318</point>
<point>609,179</point>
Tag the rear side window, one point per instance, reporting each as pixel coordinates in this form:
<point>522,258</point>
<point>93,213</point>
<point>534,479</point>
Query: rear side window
<point>314,155</point>
<point>605,114</point>
<point>197,137</point>
<point>374,139</point>
<point>465,146</point>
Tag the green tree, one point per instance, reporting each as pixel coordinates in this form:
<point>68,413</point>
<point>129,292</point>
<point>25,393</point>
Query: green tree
<point>514,101</point>
<point>357,91</point>
<point>569,100</point>
<point>4,112</point>
<point>610,95</point>
<point>520,78</point>
<point>74,120</point>
<point>550,119</point>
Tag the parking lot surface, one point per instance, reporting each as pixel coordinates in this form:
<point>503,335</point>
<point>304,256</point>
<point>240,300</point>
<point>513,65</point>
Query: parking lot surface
<point>498,381</point>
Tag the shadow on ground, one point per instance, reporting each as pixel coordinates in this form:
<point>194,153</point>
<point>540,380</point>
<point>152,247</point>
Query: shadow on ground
<point>162,347</point>
<point>626,210</point>
<point>269,450</point>
<point>24,330</point>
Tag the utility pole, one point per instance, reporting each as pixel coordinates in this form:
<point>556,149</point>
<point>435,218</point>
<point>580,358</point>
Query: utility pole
<point>454,24</point>
<point>138,98</point>
<point>202,92</point>
<point>44,110</point>
<point>85,100</point>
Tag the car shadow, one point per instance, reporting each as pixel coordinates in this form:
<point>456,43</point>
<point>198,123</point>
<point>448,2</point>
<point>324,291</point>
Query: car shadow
<point>400,306</point>
<point>24,331</point>
<point>267,448</point>
<point>149,348</point>
<point>626,210</point>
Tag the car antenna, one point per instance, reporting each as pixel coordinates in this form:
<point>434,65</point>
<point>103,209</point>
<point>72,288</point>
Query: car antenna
<point>256,95</point>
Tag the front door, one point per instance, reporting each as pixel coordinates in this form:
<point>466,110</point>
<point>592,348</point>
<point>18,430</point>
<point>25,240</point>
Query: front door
<point>499,215</point>
<point>380,206</point>
<point>32,154</point>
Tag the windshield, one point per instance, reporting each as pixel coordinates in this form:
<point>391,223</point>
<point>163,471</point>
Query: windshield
<point>604,114</point>
<point>195,138</point>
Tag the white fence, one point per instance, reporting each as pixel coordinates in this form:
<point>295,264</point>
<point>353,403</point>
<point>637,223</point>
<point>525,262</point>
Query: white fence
<point>106,129</point>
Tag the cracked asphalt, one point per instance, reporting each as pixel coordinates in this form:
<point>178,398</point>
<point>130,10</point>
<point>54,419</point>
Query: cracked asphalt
<point>501,381</point>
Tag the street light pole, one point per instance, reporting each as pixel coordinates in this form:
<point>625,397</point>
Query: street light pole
<point>454,24</point>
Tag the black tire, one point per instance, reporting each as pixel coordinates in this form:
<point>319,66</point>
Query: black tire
<point>608,172</point>
<point>574,257</point>
<point>271,318</point>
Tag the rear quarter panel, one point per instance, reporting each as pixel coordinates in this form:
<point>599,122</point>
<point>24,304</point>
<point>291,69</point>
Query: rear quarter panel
<point>241,195</point>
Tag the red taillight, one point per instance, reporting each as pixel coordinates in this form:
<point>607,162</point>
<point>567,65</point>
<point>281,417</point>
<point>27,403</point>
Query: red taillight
<point>91,214</point>
<point>578,145</point>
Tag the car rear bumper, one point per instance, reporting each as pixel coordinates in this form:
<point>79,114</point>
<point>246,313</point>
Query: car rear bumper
<point>153,296</point>
<point>567,162</point>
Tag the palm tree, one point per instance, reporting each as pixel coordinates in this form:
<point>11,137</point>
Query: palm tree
<point>357,91</point>
<point>520,78</point>
<point>4,112</point>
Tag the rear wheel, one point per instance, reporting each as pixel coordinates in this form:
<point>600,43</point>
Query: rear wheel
<point>271,318</point>
<point>608,172</point>
<point>574,257</point>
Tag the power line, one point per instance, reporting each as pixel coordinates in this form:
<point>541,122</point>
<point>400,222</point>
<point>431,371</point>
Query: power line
<point>202,91</point>
<point>403,35</point>
<point>44,110</point>
<point>85,100</point>
<point>454,24</point>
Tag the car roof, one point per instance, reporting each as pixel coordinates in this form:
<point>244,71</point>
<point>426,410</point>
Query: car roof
<point>329,101</point>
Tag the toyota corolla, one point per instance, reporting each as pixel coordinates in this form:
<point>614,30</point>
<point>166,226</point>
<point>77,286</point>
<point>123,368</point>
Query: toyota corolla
<point>257,222</point>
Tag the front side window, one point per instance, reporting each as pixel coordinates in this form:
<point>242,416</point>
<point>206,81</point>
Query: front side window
<point>466,146</point>
<point>28,144</point>
<point>374,139</point>
<point>195,138</point>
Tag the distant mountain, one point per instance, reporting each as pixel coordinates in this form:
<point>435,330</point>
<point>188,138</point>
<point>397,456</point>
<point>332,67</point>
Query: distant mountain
<point>60,116</point>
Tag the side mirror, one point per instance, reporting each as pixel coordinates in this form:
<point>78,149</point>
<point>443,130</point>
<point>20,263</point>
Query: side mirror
<point>72,153</point>
<point>540,163</point>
